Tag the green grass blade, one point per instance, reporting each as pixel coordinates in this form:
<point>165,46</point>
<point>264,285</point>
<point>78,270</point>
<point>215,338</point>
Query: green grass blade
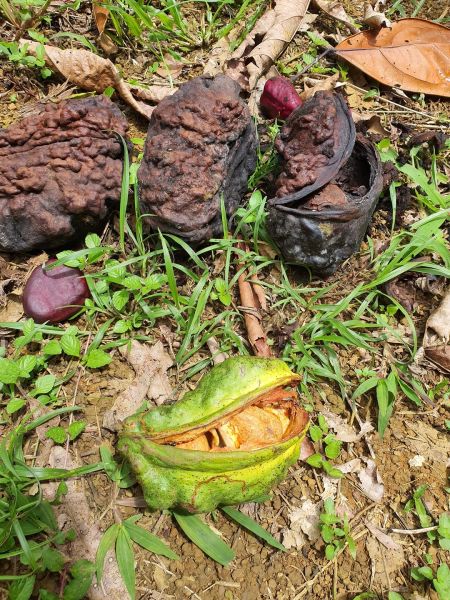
<point>252,526</point>
<point>204,537</point>
<point>125,560</point>
<point>147,540</point>
<point>124,194</point>
<point>107,542</point>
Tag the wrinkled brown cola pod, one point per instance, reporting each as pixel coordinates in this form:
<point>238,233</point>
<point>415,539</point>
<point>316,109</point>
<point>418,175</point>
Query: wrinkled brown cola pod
<point>60,173</point>
<point>200,148</point>
<point>314,143</point>
<point>328,188</point>
<point>54,295</point>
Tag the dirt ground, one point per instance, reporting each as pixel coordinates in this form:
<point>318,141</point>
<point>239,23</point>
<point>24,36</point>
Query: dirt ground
<point>414,451</point>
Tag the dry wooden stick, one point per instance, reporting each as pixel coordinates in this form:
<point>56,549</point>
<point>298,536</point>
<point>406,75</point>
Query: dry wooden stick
<point>251,302</point>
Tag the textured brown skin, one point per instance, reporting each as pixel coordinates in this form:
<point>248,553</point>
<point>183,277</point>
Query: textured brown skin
<point>54,295</point>
<point>314,143</point>
<point>200,145</point>
<point>60,172</point>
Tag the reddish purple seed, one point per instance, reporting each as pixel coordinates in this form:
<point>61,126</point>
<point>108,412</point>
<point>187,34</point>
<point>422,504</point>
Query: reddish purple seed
<point>54,295</point>
<point>279,98</point>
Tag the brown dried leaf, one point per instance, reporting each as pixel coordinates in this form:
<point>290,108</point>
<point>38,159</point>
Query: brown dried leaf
<point>90,72</point>
<point>344,431</point>
<point>12,311</point>
<point>371,482</point>
<point>436,346</point>
<point>440,356</point>
<point>74,512</point>
<point>150,364</point>
<point>327,84</point>
<point>336,11</point>
<point>413,55</point>
<point>250,303</point>
<point>100,14</point>
<point>374,17</point>
<point>106,43</point>
<point>382,537</point>
<point>169,67</point>
<point>276,27</point>
<point>438,323</point>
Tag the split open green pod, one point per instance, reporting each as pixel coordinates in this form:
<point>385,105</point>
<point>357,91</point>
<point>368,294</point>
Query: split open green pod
<point>228,441</point>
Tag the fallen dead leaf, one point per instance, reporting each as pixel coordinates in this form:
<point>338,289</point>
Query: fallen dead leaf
<point>73,512</point>
<point>369,123</point>
<point>12,311</point>
<point>371,483</point>
<point>267,40</point>
<point>336,11</point>
<point>305,519</point>
<point>150,364</point>
<point>344,431</point>
<point>306,449</point>
<point>217,355</point>
<point>436,346</point>
<point>438,324</point>
<point>384,564</point>
<point>94,73</point>
<point>101,15</point>
<point>412,54</point>
<point>374,16</point>
<point>311,86</point>
<point>169,67</point>
<point>382,537</point>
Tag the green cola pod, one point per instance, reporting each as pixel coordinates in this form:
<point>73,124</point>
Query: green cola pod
<point>228,441</point>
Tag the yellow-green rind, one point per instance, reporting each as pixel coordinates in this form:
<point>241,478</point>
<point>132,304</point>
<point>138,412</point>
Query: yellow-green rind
<point>201,481</point>
<point>228,387</point>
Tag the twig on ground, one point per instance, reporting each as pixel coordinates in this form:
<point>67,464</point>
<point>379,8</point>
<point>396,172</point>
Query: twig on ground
<point>413,531</point>
<point>252,302</point>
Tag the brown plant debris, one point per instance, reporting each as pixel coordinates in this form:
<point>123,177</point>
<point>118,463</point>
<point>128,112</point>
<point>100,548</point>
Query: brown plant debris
<point>150,364</point>
<point>94,73</point>
<point>267,40</point>
<point>412,54</point>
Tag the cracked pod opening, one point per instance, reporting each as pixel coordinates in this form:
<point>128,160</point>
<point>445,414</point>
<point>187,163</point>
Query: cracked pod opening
<point>271,419</point>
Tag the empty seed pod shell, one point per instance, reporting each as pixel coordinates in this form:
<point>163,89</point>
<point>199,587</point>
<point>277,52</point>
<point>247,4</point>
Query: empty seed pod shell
<point>54,295</point>
<point>228,441</point>
<point>200,150</point>
<point>316,140</point>
<point>325,228</point>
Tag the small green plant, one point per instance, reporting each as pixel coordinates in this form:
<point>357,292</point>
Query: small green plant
<point>440,579</point>
<point>335,531</point>
<point>19,54</point>
<point>29,532</point>
<point>319,433</point>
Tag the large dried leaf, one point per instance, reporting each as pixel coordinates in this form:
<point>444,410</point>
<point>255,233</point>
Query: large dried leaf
<point>436,341</point>
<point>267,40</point>
<point>94,73</point>
<point>74,512</point>
<point>413,55</point>
<point>150,364</point>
